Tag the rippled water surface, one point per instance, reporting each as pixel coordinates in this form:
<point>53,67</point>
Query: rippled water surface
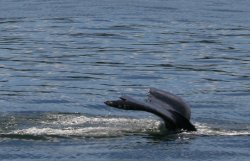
<point>60,60</point>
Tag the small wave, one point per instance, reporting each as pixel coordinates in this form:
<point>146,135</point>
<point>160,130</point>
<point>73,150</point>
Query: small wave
<point>76,125</point>
<point>61,125</point>
<point>206,130</point>
<point>70,131</point>
<point>71,120</point>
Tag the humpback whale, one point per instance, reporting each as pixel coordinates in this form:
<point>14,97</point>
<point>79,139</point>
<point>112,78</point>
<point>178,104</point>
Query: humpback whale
<point>174,111</point>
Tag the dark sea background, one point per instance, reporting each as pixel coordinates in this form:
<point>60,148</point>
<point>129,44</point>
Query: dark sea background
<point>61,59</point>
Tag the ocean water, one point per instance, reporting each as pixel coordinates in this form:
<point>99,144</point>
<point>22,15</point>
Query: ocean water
<point>60,60</point>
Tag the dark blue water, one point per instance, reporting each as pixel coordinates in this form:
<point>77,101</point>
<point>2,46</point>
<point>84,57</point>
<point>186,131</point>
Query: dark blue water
<point>60,60</point>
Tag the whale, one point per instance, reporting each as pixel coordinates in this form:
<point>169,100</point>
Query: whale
<point>172,109</point>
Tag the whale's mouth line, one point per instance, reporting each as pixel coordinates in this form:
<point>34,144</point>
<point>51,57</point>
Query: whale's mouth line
<point>82,126</point>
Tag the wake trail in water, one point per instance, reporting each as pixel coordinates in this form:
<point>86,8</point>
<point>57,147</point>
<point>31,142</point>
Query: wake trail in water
<point>85,126</point>
<point>71,125</point>
<point>206,130</point>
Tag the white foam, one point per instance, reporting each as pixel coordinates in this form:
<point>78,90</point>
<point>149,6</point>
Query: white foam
<point>79,120</point>
<point>93,126</point>
<point>83,126</point>
<point>204,129</point>
<point>83,132</point>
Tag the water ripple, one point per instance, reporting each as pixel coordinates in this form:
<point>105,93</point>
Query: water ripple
<point>71,56</point>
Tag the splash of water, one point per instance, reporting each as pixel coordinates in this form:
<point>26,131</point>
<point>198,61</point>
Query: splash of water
<point>70,125</point>
<point>85,126</point>
<point>206,130</point>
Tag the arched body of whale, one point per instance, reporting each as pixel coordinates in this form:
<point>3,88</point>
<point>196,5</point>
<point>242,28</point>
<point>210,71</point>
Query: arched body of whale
<point>171,108</point>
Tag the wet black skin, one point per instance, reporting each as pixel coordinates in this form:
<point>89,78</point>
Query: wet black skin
<point>171,108</point>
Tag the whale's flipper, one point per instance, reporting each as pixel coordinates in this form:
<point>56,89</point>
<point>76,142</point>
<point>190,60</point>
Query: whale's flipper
<point>171,108</point>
